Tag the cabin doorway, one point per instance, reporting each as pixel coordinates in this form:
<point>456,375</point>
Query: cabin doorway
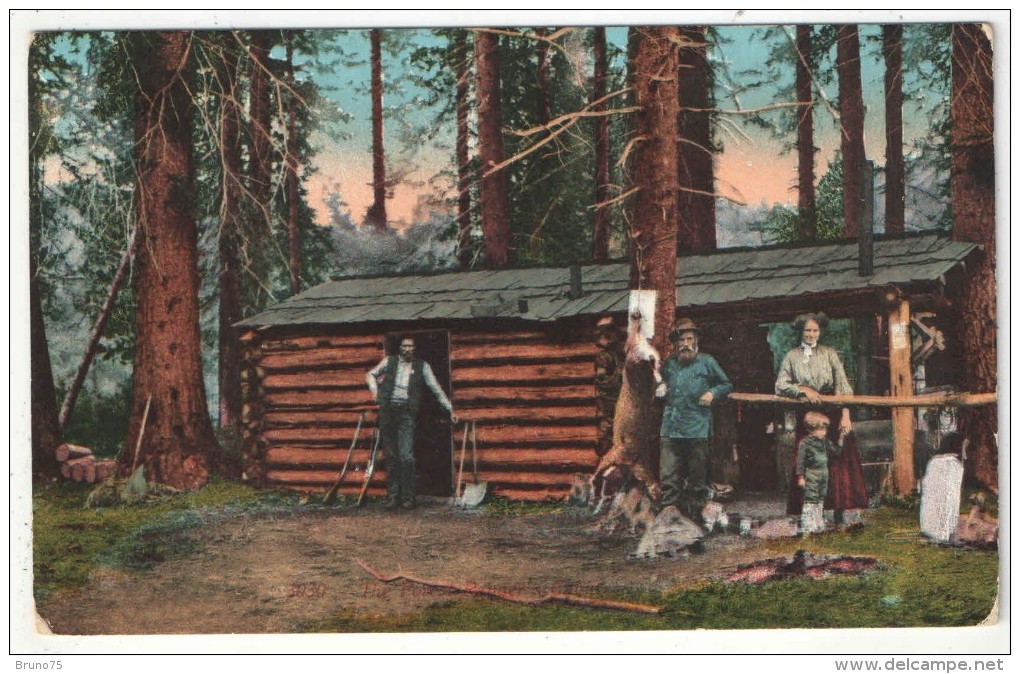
<point>433,436</point>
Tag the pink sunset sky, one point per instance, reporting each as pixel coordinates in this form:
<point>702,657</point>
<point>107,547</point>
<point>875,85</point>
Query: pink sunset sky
<point>748,172</point>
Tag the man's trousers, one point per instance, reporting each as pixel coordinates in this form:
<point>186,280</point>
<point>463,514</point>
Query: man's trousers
<point>683,469</point>
<point>396,424</point>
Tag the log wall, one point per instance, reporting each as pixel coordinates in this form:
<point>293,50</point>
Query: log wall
<point>530,392</point>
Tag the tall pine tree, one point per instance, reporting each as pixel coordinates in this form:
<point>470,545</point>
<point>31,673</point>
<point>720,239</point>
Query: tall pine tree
<point>170,423</point>
<point>973,190</point>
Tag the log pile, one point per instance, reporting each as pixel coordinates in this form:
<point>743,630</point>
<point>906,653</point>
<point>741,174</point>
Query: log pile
<point>79,465</point>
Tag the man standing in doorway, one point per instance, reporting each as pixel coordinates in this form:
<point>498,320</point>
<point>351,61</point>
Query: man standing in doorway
<point>692,381</point>
<point>396,384</point>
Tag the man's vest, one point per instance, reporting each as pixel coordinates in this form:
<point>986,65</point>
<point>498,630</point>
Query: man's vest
<point>414,383</point>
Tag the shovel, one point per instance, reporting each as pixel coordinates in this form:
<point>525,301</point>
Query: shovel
<point>474,493</point>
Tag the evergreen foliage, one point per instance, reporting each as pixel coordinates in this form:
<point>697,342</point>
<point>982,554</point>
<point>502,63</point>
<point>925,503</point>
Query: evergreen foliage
<point>781,222</point>
<point>82,94</point>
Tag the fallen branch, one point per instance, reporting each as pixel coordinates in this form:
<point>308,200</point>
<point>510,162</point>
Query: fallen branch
<point>927,400</point>
<point>552,597</point>
<point>97,333</point>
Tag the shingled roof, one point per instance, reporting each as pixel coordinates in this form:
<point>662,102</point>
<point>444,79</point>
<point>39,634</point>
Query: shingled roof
<point>715,278</point>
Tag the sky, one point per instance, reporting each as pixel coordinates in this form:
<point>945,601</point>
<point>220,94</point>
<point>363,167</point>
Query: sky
<point>752,168</point>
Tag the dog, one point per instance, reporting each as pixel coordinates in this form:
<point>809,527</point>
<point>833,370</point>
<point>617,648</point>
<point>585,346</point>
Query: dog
<point>629,509</point>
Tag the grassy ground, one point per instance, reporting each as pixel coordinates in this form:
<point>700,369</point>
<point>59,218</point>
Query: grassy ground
<point>70,541</point>
<point>918,584</point>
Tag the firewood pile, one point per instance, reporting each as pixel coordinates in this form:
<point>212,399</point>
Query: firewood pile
<point>80,465</point>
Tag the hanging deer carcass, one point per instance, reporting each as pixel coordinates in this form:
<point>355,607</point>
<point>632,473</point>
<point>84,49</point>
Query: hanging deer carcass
<point>632,460</point>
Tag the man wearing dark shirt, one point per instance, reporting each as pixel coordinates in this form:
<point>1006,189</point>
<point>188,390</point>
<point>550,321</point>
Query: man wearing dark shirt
<point>692,381</point>
<point>396,384</point>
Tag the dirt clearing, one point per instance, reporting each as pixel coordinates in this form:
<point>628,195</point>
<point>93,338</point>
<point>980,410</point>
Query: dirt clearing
<point>273,574</point>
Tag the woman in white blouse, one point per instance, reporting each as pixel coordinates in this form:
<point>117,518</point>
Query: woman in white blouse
<point>809,371</point>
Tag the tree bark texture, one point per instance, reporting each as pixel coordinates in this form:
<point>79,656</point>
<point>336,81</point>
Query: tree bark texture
<point>654,170</point>
<point>293,167</point>
<point>851,112</point>
<point>231,191</point>
<point>376,215</point>
<point>806,210</point>
<point>494,195</point>
<point>696,222</point>
<point>45,426</point>
<point>178,447</point>
<point>600,237</point>
<point>462,55</point>
<point>895,189</point>
<point>973,199</point>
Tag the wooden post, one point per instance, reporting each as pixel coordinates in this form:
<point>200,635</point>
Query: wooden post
<point>901,384</point>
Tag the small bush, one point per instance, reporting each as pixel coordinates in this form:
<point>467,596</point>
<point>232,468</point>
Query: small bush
<point>911,501</point>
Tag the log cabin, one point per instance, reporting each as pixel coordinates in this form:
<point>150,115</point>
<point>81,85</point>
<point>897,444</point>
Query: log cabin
<point>532,355</point>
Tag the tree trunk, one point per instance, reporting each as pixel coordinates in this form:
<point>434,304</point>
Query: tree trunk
<point>230,307</point>
<point>177,447</point>
<point>696,208</point>
<point>46,433</point>
<point>973,199</point>
<point>600,237</point>
<point>376,215</point>
<point>45,426</point>
<point>292,164</point>
<point>851,112</point>
<point>71,397</point>
<point>462,55</point>
<point>260,143</point>
<point>654,233</point>
<point>494,195</point>
<point>544,109</point>
<point>655,70</point>
<point>806,211</point>
<point>892,49</point>
<point>260,179</point>
<point>542,200</point>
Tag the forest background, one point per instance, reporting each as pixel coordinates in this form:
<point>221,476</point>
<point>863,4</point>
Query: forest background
<point>88,224</point>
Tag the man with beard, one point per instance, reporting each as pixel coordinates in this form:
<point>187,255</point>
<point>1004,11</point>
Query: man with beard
<point>396,384</point>
<point>692,381</point>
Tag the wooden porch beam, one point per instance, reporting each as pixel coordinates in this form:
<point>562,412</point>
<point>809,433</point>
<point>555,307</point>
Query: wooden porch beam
<point>927,400</point>
<point>901,384</point>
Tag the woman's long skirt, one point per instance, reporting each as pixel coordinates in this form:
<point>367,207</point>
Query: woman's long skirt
<point>847,490</point>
